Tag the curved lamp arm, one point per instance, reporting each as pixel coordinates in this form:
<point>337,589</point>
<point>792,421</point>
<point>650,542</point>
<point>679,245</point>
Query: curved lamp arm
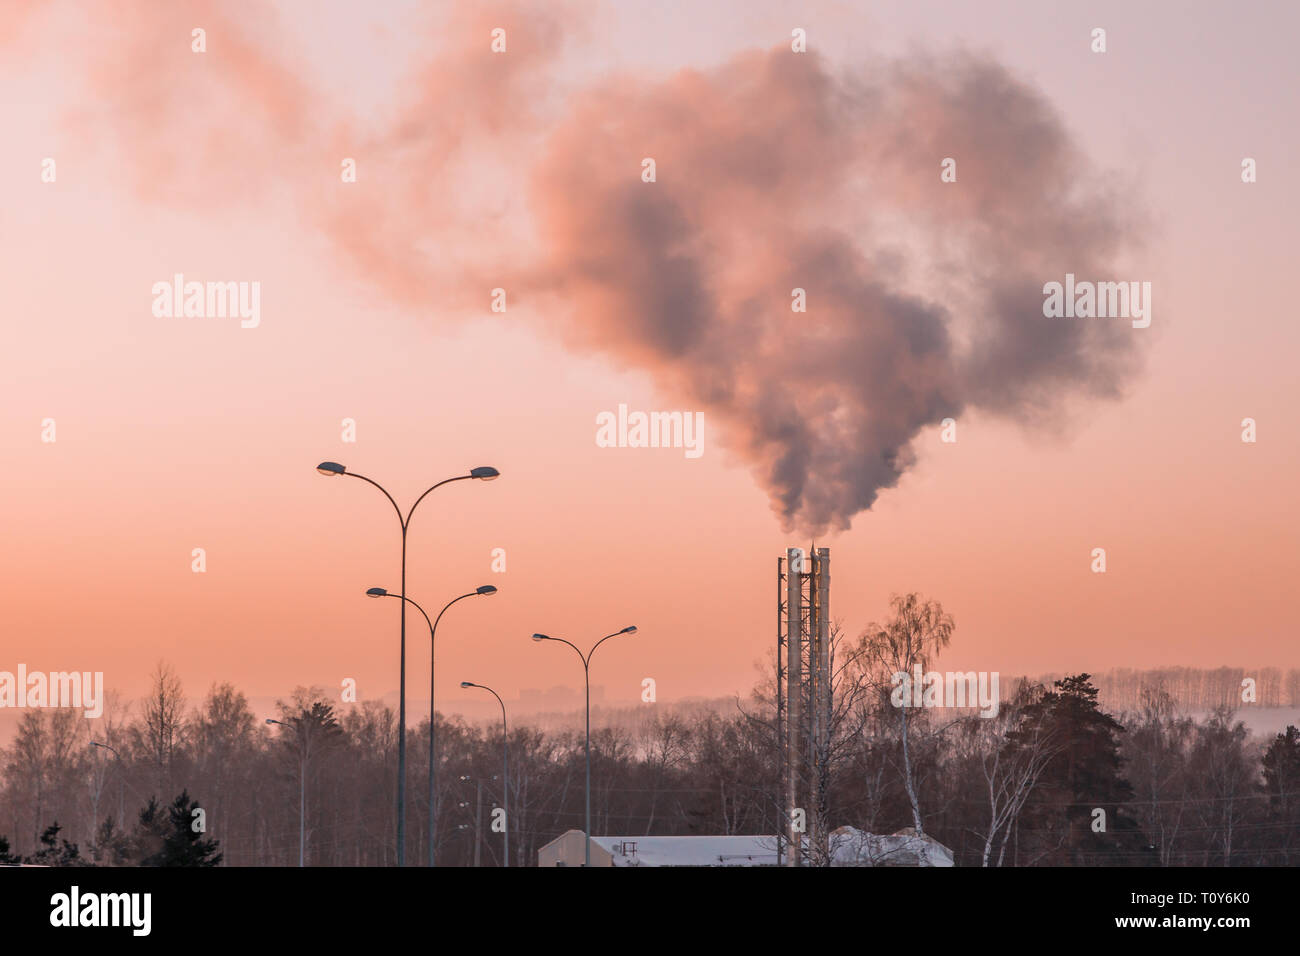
<point>433,629</point>
<point>407,522</point>
<point>400,519</point>
<point>547,637</point>
<point>605,638</point>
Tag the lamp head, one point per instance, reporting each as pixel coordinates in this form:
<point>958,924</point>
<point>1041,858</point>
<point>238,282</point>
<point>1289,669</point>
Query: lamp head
<point>484,473</point>
<point>331,468</point>
<point>466,683</point>
<point>485,589</point>
<point>540,637</point>
<point>376,592</point>
<point>630,629</point>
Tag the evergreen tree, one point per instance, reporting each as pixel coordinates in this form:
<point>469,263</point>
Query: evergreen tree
<point>7,858</point>
<point>170,838</point>
<point>1281,765</point>
<point>1084,776</point>
<point>56,852</point>
<point>111,846</point>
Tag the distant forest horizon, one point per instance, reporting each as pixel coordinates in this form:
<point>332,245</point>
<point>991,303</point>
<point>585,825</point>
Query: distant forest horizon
<point>1192,689</point>
<point>1164,758</point>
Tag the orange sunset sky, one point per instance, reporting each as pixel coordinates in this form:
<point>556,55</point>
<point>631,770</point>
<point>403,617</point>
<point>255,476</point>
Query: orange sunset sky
<point>522,170</point>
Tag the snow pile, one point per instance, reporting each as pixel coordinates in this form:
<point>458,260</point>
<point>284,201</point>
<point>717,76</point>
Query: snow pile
<point>853,847</point>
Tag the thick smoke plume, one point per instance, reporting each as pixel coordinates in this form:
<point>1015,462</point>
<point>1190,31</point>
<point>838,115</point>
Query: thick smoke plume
<point>924,298</point>
<point>773,173</point>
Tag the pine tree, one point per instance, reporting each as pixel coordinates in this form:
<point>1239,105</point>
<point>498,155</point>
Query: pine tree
<point>171,839</point>
<point>7,858</point>
<point>1281,765</point>
<point>111,846</point>
<point>56,852</point>
<point>1085,776</point>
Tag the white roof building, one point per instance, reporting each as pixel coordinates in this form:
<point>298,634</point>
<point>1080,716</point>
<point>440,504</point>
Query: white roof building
<point>849,847</point>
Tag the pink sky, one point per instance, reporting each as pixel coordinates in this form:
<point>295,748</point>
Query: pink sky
<point>175,434</point>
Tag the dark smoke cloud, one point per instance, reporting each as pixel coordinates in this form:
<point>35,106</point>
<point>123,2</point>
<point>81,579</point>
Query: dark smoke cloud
<point>924,298</point>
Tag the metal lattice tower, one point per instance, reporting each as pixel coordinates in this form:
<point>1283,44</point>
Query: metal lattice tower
<point>803,697</point>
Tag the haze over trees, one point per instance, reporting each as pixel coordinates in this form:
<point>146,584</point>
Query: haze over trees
<point>1052,779</point>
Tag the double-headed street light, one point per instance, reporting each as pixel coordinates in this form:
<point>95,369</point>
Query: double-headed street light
<point>505,766</point>
<point>586,669</point>
<point>483,590</point>
<point>483,473</point>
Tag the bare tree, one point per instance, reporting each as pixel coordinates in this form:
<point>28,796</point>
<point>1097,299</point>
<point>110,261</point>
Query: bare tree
<point>1011,762</point>
<point>223,735</point>
<point>164,720</point>
<point>1156,753</point>
<point>1226,778</point>
<point>916,633</point>
<point>663,744</point>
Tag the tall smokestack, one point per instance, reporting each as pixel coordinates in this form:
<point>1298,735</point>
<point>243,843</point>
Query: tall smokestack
<point>794,749</point>
<point>820,633</point>
<point>803,696</point>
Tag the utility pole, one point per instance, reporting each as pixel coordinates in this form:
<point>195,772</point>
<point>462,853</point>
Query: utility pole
<point>478,824</point>
<point>478,817</point>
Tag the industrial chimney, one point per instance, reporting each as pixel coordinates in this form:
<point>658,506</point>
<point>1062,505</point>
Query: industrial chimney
<point>803,700</point>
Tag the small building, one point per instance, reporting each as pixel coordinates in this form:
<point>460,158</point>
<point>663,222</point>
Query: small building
<point>569,849</point>
<point>849,847</point>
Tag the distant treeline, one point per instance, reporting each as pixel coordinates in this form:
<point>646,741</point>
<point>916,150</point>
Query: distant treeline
<point>1191,688</point>
<point>1131,768</point>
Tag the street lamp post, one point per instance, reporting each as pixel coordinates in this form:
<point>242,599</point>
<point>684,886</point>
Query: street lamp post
<point>485,589</point>
<point>483,473</point>
<point>586,669</point>
<point>505,762</point>
<point>302,786</point>
<point>121,782</point>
